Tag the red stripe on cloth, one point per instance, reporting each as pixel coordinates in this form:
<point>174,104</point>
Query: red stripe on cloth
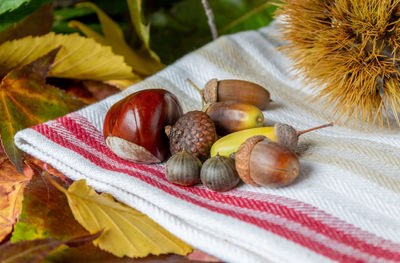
<point>264,206</point>
<point>300,216</point>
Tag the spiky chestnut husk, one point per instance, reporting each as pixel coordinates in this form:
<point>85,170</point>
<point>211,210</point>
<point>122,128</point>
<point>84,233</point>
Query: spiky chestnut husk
<point>349,51</point>
<point>194,132</point>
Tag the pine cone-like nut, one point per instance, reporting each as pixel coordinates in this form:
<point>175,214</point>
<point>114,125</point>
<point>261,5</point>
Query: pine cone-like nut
<point>194,132</point>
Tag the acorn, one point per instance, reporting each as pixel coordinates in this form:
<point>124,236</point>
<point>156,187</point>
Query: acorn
<point>236,90</point>
<point>183,169</point>
<point>282,133</point>
<point>194,132</point>
<point>232,116</point>
<point>219,174</point>
<point>262,162</point>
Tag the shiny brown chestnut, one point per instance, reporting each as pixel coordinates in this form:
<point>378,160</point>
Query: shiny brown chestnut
<point>134,126</point>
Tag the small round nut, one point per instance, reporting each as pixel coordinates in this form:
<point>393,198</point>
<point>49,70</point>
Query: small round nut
<point>242,158</point>
<point>218,173</point>
<point>183,169</point>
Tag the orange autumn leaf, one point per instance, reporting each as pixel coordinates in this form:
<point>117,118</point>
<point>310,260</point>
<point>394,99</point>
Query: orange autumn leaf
<point>45,212</point>
<point>12,186</point>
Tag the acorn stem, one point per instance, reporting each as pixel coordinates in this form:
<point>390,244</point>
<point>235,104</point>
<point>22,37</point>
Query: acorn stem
<point>199,90</point>
<point>315,128</point>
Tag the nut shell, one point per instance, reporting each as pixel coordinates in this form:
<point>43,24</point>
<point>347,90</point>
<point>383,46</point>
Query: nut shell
<point>272,164</point>
<point>242,158</point>
<point>218,173</point>
<point>232,116</point>
<point>183,169</point>
<point>237,90</point>
<point>133,127</point>
<point>194,132</point>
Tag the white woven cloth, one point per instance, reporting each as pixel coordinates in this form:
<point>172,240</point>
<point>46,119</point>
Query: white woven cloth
<point>345,205</point>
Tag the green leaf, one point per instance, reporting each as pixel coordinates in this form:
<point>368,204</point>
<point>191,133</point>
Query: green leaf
<point>13,17</point>
<point>9,5</point>
<point>184,27</point>
<point>71,12</point>
<point>143,31</point>
<point>63,15</point>
<point>258,16</point>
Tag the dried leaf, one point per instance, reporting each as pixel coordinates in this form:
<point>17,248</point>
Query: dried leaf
<point>99,89</point>
<point>36,24</point>
<point>114,37</point>
<point>120,84</point>
<point>46,167</point>
<point>12,186</point>
<point>26,100</point>
<point>126,230</point>
<point>35,250</point>
<point>79,57</point>
<point>143,31</point>
<point>88,253</point>
<point>45,212</point>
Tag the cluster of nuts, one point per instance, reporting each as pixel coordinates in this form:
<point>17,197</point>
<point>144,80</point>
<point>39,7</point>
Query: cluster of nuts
<point>149,125</point>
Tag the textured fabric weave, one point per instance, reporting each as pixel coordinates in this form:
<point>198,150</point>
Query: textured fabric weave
<point>345,205</point>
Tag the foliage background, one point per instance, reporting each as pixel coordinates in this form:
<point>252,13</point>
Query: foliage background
<point>177,26</point>
<point>38,84</point>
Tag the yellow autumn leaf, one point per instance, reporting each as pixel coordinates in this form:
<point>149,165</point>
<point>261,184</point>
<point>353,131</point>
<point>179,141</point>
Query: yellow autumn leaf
<point>127,232</point>
<point>79,57</point>
<point>114,37</point>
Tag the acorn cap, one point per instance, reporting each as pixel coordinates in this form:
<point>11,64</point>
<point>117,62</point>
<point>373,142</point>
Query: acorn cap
<point>210,91</point>
<point>195,132</point>
<point>286,135</point>
<point>242,158</point>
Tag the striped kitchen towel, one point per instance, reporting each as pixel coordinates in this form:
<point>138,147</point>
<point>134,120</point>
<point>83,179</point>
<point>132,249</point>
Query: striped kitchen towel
<point>344,206</point>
